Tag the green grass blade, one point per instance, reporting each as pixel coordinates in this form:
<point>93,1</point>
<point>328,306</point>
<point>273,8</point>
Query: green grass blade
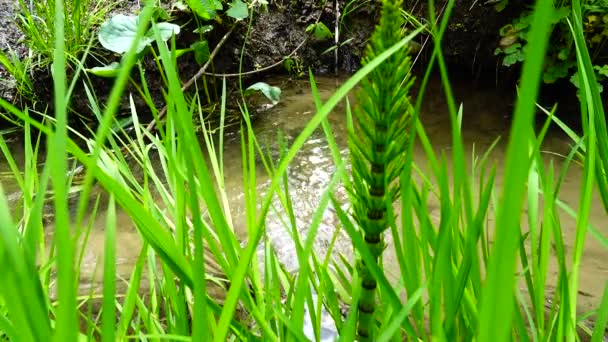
<point>497,296</point>
<point>390,329</point>
<point>57,158</point>
<point>109,276</point>
<point>601,321</point>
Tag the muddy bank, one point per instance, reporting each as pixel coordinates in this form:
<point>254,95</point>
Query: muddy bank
<point>10,40</point>
<point>469,42</point>
<point>277,31</point>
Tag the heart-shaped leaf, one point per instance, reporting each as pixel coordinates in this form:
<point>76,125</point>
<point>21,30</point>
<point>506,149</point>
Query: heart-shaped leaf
<point>201,51</point>
<point>271,93</point>
<point>320,31</point>
<point>118,33</point>
<point>203,8</point>
<point>238,10</point>
<point>166,30</point>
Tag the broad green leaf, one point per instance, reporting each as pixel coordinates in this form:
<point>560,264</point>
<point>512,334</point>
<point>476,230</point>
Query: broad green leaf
<point>203,8</point>
<point>117,34</point>
<point>110,70</point>
<point>320,31</point>
<point>238,10</point>
<point>523,23</point>
<point>555,71</point>
<point>575,81</point>
<point>560,14</point>
<point>563,54</point>
<point>272,93</point>
<point>160,14</point>
<point>505,30</point>
<point>181,52</point>
<point>166,31</point>
<point>201,51</point>
<point>180,5</point>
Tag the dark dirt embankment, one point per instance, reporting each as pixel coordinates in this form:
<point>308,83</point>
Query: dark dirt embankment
<point>468,45</point>
<point>10,40</point>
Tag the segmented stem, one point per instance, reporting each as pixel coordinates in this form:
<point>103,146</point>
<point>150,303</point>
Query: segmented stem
<point>378,146</point>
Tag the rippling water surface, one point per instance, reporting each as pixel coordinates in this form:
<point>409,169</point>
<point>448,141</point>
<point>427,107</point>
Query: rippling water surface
<point>485,119</point>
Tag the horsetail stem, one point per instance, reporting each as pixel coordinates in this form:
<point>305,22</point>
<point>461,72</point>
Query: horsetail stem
<point>377,146</point>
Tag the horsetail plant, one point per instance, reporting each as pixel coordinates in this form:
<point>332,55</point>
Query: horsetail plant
<point>377,142</point>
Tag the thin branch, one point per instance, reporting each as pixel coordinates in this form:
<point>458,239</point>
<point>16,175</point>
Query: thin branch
<point>251,72</point>
<point>277,63</point>
<point>193,79</point>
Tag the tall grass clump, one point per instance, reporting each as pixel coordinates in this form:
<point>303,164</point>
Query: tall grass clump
<point>80,19</point>
<point>37,21</point>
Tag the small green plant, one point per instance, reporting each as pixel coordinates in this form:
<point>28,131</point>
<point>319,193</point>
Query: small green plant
<point>118,33</point>
<point>270,92</point>
<point>293,65</point>
<point>560,59</point>
<point>37,21</point>
<point>320,31</point>
<point>376,144</point>
<point>19,70</point>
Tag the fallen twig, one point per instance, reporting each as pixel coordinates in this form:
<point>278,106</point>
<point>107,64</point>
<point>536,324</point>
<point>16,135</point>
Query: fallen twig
<point>275,64</point>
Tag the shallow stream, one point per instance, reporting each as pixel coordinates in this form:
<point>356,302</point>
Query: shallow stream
<point>486,112</point>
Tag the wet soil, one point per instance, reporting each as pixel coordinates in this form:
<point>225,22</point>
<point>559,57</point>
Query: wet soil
<point>10,40</point>
<point>276,31</point>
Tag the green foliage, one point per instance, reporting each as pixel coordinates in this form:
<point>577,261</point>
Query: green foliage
<point>272,93</point>
<point>37,21</point>
<point>206,9</point>
<point>110,71</point>
<point>19,70</point>
<point>293,65</point>
<point>320,31</point>
<point>456,280</point>
<point>238,10</point>
<point>201,51</point>
<point>351,7</point>
<point>376,143</point>
<point>560,59</point>
<point>118,33</point>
